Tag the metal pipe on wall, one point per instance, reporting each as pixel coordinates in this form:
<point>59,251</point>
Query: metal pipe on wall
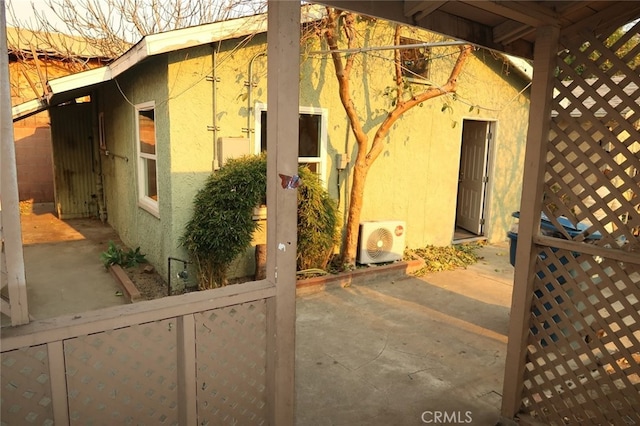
<point>214,101</point>
<point>97,157</point>
<point>249,90</point>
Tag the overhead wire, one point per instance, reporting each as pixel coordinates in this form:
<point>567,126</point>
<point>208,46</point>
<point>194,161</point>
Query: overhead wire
<point>433,84</point>
<point>203,76</point>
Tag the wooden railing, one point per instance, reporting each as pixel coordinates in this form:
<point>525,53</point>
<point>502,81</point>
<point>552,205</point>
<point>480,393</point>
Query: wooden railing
<point>181,360</point>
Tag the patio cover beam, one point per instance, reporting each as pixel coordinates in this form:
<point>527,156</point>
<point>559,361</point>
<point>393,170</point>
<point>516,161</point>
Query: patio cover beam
<point>11,255</point>
<point>544,64</point>
<point>283,75</point>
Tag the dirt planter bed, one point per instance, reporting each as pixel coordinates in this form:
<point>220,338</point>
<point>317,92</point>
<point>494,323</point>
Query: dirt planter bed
<point>358,276</point>
<point>304,286</point>
<point>129,288</point>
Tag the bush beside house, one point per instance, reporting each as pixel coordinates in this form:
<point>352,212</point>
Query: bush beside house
<point>222,225</point>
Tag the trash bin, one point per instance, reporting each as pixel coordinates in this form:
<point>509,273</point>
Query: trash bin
<point>549,229</point>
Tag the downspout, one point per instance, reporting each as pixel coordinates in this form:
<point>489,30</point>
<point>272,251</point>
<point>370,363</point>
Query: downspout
<point>214,79</point>
<point>249,85</point>
<point>97,158</point>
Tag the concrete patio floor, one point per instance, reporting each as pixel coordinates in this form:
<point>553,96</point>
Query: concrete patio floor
<point>398,351</point>
<point>405,351</point>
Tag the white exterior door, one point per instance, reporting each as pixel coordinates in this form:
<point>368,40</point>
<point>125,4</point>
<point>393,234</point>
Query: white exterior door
<point>473,176</point>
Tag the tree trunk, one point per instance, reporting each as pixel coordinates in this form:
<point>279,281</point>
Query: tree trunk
<point>261,262</point>
<point>360,170</point>
<point>365,156</point>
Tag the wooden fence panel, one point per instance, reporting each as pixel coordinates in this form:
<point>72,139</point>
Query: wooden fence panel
<point>231,361</point>
<point>26,395</point>
<point>123,376</point>
<point>196,358</point>
<point>584,342</point>
<point>583,347</point>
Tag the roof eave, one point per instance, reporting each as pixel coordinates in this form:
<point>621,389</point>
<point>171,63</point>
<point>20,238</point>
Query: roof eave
<point>78,80</point>
<point>63,88</point>
<point>29,108</point>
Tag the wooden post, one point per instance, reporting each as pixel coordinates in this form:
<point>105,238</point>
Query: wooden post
<point>283,66</point>
<point>545,54</point>
<point>11,255</point>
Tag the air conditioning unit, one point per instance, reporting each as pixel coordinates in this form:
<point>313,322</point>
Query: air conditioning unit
<point>381,241</point>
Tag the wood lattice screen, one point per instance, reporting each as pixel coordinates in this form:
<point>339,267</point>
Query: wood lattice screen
<point>583,349</point>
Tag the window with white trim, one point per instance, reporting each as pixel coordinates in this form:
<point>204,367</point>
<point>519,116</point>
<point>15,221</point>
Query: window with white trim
<point>312,136</point>
<point>147,157</point>
<point>416,61</point>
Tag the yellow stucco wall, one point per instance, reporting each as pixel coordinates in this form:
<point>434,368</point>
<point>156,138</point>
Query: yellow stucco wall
<point>415,179</point>
<point>135,225</point>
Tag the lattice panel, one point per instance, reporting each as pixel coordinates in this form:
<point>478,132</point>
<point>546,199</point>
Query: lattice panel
<point>593,155</point>
<point>25,397</point>
<point>125,376</point>
<point>231,357</point>
<point>583,349</point>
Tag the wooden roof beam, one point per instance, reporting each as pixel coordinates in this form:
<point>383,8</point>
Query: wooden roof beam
<point>419,9</point>
<point>532,14</point>
<point>615,15</point>
<point>510,31</point>
<point>571,7</point>
<point>464,29</point>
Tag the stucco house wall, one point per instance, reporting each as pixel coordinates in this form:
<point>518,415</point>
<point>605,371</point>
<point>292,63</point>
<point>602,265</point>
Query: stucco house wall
<point>415,179</point>
<point>136,226</point>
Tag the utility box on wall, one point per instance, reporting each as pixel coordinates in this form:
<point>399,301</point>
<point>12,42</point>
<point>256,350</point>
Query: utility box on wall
<point>232,148</point>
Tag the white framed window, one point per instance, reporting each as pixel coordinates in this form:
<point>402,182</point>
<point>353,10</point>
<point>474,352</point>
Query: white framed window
<point>416,61</point>
<point>147,157</point>
<point>312,136</point>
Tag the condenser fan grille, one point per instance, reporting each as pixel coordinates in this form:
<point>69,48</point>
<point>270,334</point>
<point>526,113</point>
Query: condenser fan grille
<point>379,243</point>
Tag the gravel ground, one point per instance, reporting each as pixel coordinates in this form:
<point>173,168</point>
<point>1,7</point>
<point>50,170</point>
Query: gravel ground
<point>148,282</point>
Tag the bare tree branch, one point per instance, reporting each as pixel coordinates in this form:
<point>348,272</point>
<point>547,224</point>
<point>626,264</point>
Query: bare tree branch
<point>343,72</point>
<point>111,26</point>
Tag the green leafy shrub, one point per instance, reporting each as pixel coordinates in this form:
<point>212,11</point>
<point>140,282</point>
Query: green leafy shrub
<point>318,222</point>
<point>134,257</point>
<point>222,226</point>
<point>114,255</point>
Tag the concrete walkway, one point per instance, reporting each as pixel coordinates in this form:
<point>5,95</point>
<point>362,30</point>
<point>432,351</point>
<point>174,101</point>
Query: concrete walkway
<point>407,351</point>
<point>62,264</point>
